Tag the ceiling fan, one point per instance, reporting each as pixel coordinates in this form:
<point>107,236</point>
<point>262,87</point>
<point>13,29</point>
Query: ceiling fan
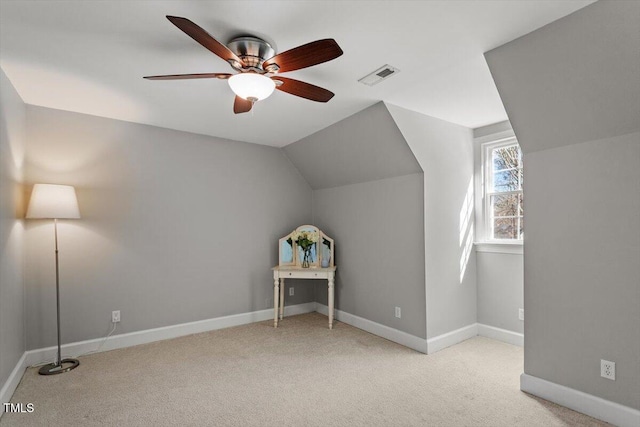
<point>258,66</point>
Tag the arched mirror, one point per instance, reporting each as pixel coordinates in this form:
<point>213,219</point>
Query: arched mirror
<point>306,247</point>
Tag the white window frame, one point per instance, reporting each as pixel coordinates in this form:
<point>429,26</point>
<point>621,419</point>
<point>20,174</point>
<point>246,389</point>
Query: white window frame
<point>487,177</point>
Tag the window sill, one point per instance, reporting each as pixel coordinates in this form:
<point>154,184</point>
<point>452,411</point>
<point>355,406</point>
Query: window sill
<point>516,248</point>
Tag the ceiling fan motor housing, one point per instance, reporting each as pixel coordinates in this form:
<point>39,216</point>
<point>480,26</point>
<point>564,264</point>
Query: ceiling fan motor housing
<point>253,52</point>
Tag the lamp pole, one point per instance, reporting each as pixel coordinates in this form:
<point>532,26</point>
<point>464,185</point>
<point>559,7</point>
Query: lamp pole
<point>51,201</point>
<point>55,231</point>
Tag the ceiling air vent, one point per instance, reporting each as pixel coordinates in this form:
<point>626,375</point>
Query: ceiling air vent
<point>379,75</point>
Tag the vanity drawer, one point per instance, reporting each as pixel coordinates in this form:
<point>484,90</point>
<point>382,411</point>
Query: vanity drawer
<point>303,274</point>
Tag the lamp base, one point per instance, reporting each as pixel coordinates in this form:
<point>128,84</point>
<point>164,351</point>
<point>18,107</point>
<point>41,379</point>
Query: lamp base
<point>65,365</point>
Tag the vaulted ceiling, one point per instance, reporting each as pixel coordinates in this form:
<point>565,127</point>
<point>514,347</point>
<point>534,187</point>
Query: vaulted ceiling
<point>90,56</point>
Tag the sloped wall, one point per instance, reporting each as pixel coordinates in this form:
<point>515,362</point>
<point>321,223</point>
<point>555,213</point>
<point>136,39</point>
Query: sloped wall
<point>574,80</point>
<point>573,96</point>
<point>366,146</point>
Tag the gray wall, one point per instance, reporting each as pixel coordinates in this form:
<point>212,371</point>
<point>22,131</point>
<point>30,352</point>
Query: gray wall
<point>499,275</point>
<point>368,195</point>
<point>445,153</point>
<point>12,150</point>
<point>584,68</point>
<point>366,146</point>
<point>500,279</point>
<point>582,275</point>
<point>379,231</point>
<point>574,85</point>
<point>175,227</point>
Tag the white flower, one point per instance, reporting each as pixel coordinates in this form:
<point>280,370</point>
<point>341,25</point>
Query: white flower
<point>305,237</point>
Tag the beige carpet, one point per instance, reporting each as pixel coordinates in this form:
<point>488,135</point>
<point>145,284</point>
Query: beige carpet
<point>301,374</point>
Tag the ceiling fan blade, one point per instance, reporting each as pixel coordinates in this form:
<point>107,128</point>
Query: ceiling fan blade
<point>241,105</point>
<point>304,90</point>
<point>190,76</point>
<point>306,55</point>
<point>204,38</point>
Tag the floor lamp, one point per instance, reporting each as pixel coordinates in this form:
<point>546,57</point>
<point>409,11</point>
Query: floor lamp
<point>55,202</point>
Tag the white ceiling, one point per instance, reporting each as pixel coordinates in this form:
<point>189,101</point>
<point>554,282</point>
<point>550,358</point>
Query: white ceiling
<point>90,56</point>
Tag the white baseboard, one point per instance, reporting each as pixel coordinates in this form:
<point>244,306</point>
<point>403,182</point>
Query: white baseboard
<point>402,338</point>
<point>420,344</point>
<point>157,334</point>
<point>605,410</point>
<point>12,382</point>
<point>450,338</point>
<point>48,354</point>
<point>596,407</point>
<point>499,334</point>
<point>293,310</point>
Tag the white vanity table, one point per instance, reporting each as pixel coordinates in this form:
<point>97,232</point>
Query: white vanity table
<point>318,265</point>
<point>280,273</point>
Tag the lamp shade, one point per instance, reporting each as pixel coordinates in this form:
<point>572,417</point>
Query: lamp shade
<point>251,86</point>
<point>53,201</point>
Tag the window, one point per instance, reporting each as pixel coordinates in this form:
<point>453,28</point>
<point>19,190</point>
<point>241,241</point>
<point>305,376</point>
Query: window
<point>503,203</point>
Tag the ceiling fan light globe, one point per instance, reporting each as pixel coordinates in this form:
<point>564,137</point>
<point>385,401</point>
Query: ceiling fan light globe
<point>251,86</point>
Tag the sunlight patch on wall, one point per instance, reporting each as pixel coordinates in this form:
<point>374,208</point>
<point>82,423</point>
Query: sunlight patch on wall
<point>466,212</point>
<point>466,229</point>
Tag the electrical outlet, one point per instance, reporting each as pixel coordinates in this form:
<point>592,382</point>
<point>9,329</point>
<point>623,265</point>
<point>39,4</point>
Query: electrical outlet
<point>608,369</point>
<point>291,291</point>
<point>398,312</point>
<point>115,316</point>
<point>521,313</point>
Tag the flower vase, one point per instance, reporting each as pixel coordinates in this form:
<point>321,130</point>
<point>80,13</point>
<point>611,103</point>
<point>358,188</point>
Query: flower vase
<point>325,262</point>
<point>306,257</point>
